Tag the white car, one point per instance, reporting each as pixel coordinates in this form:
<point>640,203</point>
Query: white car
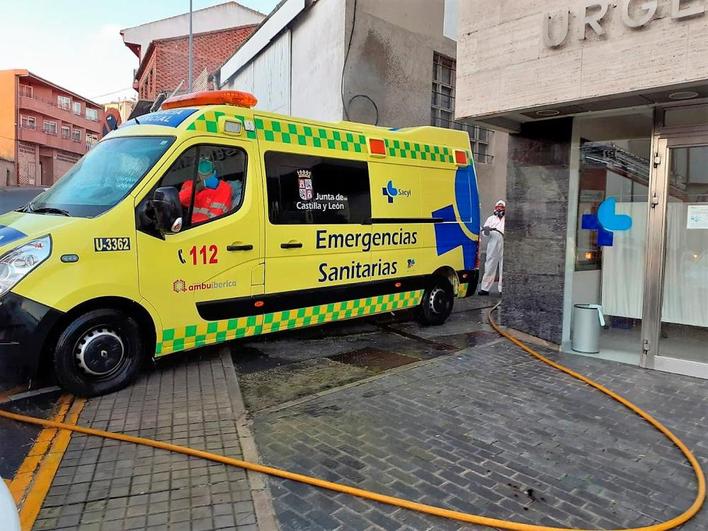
<point>8,512</point>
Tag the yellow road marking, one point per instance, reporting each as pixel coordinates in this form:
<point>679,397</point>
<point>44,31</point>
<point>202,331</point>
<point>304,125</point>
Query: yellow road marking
<point>23,477</point>
<point>47,470</point>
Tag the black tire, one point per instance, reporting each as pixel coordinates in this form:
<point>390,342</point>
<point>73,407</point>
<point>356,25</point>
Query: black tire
<point>437,303</point>
<point>99,352</point>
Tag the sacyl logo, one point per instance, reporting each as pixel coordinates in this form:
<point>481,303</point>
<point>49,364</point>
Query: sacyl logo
<point>391,192</point>
<point>606,222</point>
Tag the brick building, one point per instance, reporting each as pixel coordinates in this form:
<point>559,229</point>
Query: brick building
<point>165,63</point>
<point>44,128</point>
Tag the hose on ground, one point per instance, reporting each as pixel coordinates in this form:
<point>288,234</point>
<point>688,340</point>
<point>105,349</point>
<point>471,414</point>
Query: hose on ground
<point>400,502</point>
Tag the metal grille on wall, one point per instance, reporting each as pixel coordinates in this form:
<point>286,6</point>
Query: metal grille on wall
<point>443,109</point>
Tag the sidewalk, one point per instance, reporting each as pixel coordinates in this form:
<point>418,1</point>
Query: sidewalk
<point>486,430</point>
<point>103,484</point>
<point>491,431</point>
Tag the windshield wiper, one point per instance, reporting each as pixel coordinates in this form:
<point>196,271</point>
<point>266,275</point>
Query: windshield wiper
<point>46,210</point>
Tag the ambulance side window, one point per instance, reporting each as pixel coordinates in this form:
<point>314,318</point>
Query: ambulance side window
<point>227,164</point>
<point>304,189</point>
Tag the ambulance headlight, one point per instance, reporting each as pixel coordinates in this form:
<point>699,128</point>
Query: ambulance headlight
<point>18,263</point>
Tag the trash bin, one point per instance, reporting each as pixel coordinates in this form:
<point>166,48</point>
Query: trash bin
<point>587,321</point>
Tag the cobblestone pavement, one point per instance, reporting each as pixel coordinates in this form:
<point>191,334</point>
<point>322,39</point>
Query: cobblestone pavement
<point>276,369</point>
<point>489,430</point>
<point>103,484</point>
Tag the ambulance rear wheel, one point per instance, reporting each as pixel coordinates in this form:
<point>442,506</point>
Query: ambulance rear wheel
<point>99,352</point>
<point>437,302</point>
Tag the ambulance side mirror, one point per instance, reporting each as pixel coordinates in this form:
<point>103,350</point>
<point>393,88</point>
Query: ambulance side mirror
<point>167,210</point>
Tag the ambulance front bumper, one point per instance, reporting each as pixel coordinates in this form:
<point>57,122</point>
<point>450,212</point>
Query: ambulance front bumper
<point>24,327</point>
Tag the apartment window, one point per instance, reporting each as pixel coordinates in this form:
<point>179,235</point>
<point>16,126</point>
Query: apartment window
<point>64,102</point>
<point>65,131</point>
<point>91,140</point>
<point>50,127</point>
<point>77,107</point>
<point>28,122</point>
<point>76,135</point>
<point>443,108</point>
<point>26,90</point>
<point>443,100</point>
<point>92,114</point>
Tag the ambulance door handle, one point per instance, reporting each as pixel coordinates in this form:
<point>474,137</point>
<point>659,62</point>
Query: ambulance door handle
<point>291,245</point>
<point>239,247</point>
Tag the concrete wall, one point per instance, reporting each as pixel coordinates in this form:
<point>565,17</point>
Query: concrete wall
<point>390,62</point>
<point>391,58</point>
<point>534,248</point>
<point>227,15</point>
<point>491,178</point>
<point>506,65</point>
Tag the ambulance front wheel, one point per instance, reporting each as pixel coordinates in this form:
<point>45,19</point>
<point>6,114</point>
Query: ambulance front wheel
<point>437,302</point>
<point>99,352</point>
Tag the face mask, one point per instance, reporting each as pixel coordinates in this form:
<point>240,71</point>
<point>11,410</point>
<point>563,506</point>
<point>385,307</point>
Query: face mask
<point>499,213</point>
<point>212,181</point>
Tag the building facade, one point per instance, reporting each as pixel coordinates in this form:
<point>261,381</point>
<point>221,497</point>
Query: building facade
<point>165,65</point>
<point>388,63</point>
<point>607,175</point>
<point>161,47</point>
<point>218,17</point>
<point>44,129</point>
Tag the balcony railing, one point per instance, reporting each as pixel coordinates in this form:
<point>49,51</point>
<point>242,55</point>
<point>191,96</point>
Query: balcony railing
<point>55,103</point>
<point>43,138</point>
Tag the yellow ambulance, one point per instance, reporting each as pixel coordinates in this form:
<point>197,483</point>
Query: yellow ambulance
<point>209,221</point>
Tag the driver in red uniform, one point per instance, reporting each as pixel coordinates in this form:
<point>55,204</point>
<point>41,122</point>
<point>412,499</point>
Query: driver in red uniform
<point>213,196</point>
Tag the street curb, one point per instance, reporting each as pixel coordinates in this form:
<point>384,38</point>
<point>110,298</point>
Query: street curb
<point>389,372</point>
<point>262,500</point>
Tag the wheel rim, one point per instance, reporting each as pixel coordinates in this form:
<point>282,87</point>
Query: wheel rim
<point>100,352</point>
<point>438,301</point>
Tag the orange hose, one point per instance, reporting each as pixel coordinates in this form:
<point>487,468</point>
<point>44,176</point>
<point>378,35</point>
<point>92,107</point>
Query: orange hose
<point>399,502</point>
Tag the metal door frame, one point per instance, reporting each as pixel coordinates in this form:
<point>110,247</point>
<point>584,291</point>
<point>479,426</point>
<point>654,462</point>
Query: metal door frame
<point>663,140</point>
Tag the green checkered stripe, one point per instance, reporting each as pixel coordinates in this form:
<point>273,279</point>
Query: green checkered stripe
<point>417,151</point>
<point>208,122</point>
<point>284,132</point>
<point>209,333</point>
<point>320,137</point>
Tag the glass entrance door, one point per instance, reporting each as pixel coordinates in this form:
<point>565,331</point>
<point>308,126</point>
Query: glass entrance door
<point>681,331</point>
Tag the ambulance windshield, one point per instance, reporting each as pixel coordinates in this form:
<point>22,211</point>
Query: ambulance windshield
<point>102,178</point>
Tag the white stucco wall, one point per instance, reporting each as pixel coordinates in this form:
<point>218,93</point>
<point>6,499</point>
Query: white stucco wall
<point>267,76</point>
<point>318,41</point>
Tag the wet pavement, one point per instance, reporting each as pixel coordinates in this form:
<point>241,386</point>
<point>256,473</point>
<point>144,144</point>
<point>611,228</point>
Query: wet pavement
<point>17,439</point>
<point>489,430</point>
<point>451,415</point>
<point>277,369</point>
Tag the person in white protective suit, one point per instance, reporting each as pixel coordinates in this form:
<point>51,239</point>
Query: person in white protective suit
<point>493,229</point>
